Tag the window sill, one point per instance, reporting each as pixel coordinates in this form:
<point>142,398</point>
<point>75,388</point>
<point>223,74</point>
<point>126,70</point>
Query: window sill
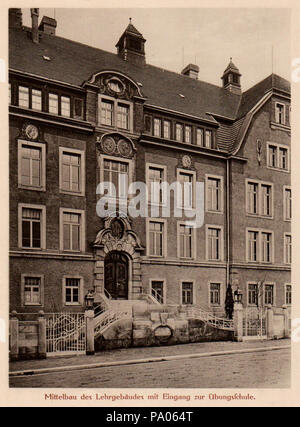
<point>72,193</point>
<point>259,216</point>
<point>31,188</point>
<point>278,169</point>
<point>214,212</point>
<point>73,304</point>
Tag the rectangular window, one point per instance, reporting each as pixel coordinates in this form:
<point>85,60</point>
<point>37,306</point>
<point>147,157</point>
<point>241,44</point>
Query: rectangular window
<point>208,139</point>
<point>252,197</point>
<point>31,228</point>
<point>214,243</point>
<point>269,294</point>
<point>259,198</point>
<point>107,112</point>
<point>215,293</point>
<point>288,294</point>
<point>278,157</point>
<point>123,116</point>
<point>167,129</point>
<point>155,176</point>
<point>282,161</point>
<point>272,156</point>
<point>200,137</point>
<point>72,291</point>
<point>287,249</point>
<point>179,132</point>
<point>65,106</point>
<point>32,290</point>
<point>30,166</point>
<point>156,238</point>
<point>117,173</point>
<point>36,99</point>
<point>252,293</point>
<point>280,113</point>
<point>188,134</point>
<point>23,96</point>
<point>70,169</point>
<point>187,293</point>
<point>266,247</point>
<point>157,290</point>
<point>252,246</point>
<point>287,203</point>
<point>266,199</point>
<point>186,181</point>
<point>53,103</point>
<point>213,194</point>
<point>71,231</point>
<point>78,104</point>
<point>157,127</point>
<point>185,241</point>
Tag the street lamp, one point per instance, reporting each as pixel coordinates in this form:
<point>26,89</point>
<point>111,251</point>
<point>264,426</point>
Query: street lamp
<point>89,300</point>
<point>238,295</point>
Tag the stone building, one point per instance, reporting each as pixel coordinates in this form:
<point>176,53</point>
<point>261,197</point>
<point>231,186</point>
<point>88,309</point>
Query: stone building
<point>79,116</point>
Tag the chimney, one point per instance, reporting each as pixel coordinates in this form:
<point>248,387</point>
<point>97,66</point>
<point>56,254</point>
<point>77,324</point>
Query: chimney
<point>191,70</point>
<point>15,18</point>
<point>35,21</point>
<point>48,25</point>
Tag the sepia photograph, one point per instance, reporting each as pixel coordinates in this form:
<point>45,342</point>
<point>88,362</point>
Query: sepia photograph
<point>150,203</point>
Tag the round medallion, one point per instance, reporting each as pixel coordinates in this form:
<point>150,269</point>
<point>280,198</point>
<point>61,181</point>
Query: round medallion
<point>31,132</point>
<point>115,85</point>
<point>124,148</point>
<point>186,161</point>
<point>108,145</point>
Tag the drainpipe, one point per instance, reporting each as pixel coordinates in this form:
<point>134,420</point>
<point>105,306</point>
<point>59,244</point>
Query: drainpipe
<point>227,223</point>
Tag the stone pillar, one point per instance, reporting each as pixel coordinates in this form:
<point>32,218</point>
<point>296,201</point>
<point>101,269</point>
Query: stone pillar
<point>14,336</point>
<point>270,322</point>
<point>238,321</point>
<point>42,335</point>
<point>90,336</point>
<point>286,330</point>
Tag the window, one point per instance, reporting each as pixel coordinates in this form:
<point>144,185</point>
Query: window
<point>200,137</point>
<point>72,171</point>
<point>214,194</point>
<point>278,156</point>
<point>187,182</point>
<point>287,248</point>
<point>287,203</point>
<point>155,174</point>
<point>188,134</point>
<point>215,293</point>
<point>288,294</point>
<point>31,165</point>
<point>186,241</point>
<point>259,198</point>
<point>36,99</point>
<point>65,106</point>
<point>208,138</point>
<point>9,93</point>
<point>32,226</point>
<point>157,127</point>
<point>167,129</point>
<point>114,172</point>
<point>187,293</point>
<point>157,290</point>
<point>252,246</point>
<point>252,293</point>
<point>114,113</point>
<point>72,290</point>
<point>214,243</point>
<point>72,230</point>
<point>53,103</point>
<point>280,113</point>
<point>123,116</point>
<point>269,294</point>
<point>32,289</point>
<point>179,132</point>
<point>156,245</point>
<point>259,246</point>
<point>23,96</point>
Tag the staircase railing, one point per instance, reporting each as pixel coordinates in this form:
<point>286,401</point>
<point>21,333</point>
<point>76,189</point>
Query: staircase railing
<point>217,322</point>
<point>106,318</point>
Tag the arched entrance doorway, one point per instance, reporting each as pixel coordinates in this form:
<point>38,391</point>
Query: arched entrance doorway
<point>116,274</point>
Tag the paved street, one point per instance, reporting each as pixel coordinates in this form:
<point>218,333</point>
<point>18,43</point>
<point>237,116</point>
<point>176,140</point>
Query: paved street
<point>270,369</point>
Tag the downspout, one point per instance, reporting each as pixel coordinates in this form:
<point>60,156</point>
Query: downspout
<point>227,223</point>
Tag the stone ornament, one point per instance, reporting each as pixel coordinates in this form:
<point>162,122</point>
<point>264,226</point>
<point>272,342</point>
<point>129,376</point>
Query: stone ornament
<point>116,144</point>
<point>124,148</point>
<point>108,145</point>
<point>31,132</point>
<point>186,161</point>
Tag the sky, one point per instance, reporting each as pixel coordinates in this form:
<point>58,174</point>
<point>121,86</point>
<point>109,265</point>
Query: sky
<point>177,37</point>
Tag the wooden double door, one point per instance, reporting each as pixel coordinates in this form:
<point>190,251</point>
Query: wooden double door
<point>116,275</point>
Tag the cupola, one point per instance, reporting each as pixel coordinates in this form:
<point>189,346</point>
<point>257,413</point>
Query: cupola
<point>231,78</point>
<point>131,45</point>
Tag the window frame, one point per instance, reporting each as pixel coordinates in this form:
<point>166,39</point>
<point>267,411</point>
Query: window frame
<point>115,102</point>
<point>221,242</point>
<point>164,237</point>
<point>192,173</point>
<point>192,282</point>
<point>158,121</point>
<point>42,147</point>
<point>274,294</point>
<point>252,304</point>
<point>42,281</point>
<point>277,114</point>
<point>82,230</point>
<point>278,146</point>
<point>80,291</point>
<point>82,183</point>
<point>163,168</point>
<point>260,231</point>
<point>285,235</point>
<point>221,193</point>
<point>193,241</point>
<point>42,208</point>
<point>285,294</point>
<point>164,287</point>
<point>221,295</point>
<point>259,201</point>
<point>285,189</point>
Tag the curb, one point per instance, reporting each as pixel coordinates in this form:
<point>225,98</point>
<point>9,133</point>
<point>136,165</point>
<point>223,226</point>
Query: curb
<point>139,361</point>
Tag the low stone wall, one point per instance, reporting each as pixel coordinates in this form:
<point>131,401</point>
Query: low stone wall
<point>156,325</point>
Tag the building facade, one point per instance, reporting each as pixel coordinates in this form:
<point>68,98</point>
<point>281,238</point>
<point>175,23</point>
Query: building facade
<point>80,116</point>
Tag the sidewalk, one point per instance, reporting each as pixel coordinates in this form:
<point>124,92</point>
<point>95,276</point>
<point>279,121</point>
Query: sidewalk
<point>143,354</point>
